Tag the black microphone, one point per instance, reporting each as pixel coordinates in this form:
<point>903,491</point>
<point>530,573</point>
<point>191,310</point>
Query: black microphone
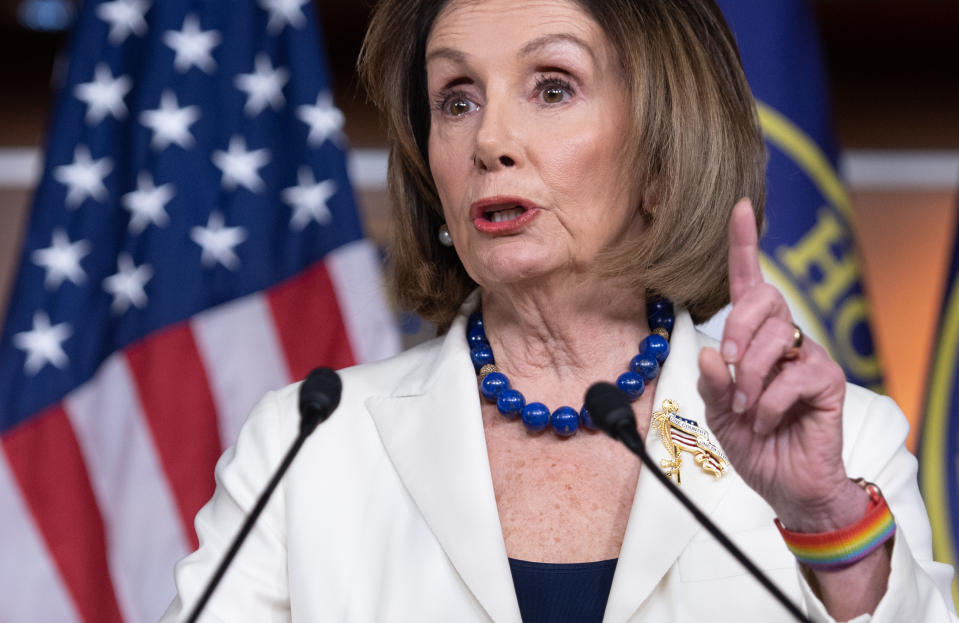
<point>319,396</point>
<point>610,410</point>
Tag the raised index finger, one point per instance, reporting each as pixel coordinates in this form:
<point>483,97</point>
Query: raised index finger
<point>744,270</point>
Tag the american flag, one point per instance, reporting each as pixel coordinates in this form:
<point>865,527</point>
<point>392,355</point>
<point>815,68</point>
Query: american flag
<point>689,443</point>
<point>193,243</point>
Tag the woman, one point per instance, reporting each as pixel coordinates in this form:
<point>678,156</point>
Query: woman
<point>574,163</point>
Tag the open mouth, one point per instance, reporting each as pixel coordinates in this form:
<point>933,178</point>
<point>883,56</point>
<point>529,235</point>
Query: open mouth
<point>502,214</point>
<point>505,213</point>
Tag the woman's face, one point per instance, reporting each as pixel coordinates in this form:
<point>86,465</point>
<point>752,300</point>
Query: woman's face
<point>529,122</point>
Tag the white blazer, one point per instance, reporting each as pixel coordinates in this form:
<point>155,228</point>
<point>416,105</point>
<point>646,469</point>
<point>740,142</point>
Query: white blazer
<point>388,513</point>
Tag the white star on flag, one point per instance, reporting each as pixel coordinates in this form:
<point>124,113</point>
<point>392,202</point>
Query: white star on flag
<point>104,95</point>
<point>218,241</point>
<point>239,166</point>
<point>43,343</point>
<point>308,199</point>
<point>283,12</point>
<point>83,177</point>
<point>192,45</point>
<point>263,86</point>
<point>170,123</point>
<point>124,17</point>
<point>147,203</point>
<point>324,119</point>
<point>127,284</point>
<point>61,260</point>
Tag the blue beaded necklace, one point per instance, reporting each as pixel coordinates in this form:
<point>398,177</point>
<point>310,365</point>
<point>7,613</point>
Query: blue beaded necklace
<point>565,421</point>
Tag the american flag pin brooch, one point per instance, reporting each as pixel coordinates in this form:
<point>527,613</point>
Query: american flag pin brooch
<point>681,434</point>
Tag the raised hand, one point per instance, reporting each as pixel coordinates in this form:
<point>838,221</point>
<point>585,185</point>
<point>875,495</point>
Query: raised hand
<point>779,418</point>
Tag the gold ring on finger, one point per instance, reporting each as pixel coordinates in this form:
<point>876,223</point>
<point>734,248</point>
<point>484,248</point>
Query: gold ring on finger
<point>793,351</point>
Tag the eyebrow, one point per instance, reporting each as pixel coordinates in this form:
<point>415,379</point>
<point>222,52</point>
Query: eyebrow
<point>530,48</point>
<point>564,37</point>
<point>448,53</point>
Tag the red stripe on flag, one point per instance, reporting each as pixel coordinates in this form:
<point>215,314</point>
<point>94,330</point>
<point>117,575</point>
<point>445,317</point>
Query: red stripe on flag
<point>47,462</point>
<point>182,416</point>
<point>309,322</point>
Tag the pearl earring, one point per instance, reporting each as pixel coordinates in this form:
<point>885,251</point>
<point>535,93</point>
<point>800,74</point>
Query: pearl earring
<point>445,238</point>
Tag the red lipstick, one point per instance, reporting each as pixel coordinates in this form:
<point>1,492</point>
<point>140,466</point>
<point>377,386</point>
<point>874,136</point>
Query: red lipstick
<point>502,214</point>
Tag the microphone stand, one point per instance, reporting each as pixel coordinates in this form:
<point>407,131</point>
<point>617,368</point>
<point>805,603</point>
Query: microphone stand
<point>319,396</point>
<point>633,442</point>
<point>247,526</point>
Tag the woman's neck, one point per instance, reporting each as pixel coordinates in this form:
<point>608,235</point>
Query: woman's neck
<point>554,342</point>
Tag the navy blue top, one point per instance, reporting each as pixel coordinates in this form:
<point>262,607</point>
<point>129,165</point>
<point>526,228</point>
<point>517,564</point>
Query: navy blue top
<point>554,593</point>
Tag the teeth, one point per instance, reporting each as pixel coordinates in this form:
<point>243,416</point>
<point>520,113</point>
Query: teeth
<point>505,215</point>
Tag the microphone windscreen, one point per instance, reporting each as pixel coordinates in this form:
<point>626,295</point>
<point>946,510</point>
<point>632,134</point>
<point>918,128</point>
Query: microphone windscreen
<point>319,396</point>
<point>609,408</point>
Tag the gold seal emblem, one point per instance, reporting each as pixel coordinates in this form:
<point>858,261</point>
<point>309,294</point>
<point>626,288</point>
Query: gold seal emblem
<point>682,434</point>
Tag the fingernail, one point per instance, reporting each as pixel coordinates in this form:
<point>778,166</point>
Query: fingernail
<point>730,351</point>
<point>739,402</point>
<point>758,428</point>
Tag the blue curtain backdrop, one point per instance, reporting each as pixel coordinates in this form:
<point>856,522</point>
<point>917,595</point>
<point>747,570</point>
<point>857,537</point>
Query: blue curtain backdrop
<point>808,246</point>
<point>939,444</point>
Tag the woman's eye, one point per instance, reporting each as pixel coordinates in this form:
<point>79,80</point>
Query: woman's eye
<point>554,91</point>
<point>553,95</point>
<point>457,106</point>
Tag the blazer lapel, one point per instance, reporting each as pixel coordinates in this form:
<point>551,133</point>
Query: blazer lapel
<point>432,430</point>
<point>659,526</point>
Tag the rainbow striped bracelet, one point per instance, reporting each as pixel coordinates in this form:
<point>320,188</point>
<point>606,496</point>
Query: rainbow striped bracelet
<point>830,551</point>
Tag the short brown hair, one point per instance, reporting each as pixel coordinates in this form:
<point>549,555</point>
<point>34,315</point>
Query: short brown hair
<point>698,149</point>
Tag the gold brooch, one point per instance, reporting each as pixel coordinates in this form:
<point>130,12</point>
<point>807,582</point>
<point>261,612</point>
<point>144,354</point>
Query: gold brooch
<point>678,434</point>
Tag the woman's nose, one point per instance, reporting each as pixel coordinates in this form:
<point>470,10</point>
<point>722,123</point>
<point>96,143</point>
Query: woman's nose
<point>497,144</point>
<point>503,160</point>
